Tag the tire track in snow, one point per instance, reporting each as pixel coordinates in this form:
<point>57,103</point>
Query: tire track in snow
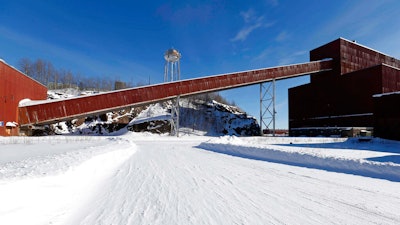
<point>173,182</point>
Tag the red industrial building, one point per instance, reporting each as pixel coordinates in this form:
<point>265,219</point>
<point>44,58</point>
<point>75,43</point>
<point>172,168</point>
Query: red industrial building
<point>342,99</point>
<point>15,86</point>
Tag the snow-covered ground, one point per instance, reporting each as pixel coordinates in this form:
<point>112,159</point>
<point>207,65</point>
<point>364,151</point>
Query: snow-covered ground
<point>152,179</point>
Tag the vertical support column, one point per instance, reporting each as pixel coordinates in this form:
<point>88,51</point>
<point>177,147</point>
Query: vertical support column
<point>178,70</point>
<point>175,110</point>
<point>166,65</point>
<point>267,107</point>
<point>172,73</point>
<point>273,107</point>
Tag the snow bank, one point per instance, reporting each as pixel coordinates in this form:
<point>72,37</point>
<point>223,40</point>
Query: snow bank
<point>49,155</point>
<point>352,161</point>
<point>45,184</point>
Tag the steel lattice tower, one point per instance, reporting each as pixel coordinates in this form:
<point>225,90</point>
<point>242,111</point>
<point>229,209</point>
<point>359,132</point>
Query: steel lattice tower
<point>267,107</point>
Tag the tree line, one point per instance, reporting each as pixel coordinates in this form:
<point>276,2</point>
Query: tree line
<point>55,78</point>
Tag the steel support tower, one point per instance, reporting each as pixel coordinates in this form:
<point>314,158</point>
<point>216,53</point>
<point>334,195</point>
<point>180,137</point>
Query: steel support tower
<point>267,107</point>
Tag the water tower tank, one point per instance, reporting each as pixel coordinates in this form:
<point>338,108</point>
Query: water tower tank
<point>172,55</point>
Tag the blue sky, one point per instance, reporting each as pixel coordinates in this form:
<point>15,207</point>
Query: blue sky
<point>126,40</point>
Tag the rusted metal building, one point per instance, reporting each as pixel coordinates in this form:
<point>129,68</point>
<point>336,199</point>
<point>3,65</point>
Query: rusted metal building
<point>14,87</point>
<point>387,115</point>
<point>343,97</point>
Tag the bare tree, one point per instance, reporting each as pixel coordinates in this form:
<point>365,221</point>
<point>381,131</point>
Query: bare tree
<point>49,74</point>
<point>39,70</point>
<point>25,65</point>
<point>45,73</point>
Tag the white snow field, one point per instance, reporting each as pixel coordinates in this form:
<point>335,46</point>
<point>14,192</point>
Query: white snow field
<point>152,179</point>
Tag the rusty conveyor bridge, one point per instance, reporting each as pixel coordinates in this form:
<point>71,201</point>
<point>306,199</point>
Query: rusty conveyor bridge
<point>49,112</point>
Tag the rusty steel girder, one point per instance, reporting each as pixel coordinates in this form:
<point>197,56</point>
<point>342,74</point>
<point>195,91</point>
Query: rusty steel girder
<point>60,110</point>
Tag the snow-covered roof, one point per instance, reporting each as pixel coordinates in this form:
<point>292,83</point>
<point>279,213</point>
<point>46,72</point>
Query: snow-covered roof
<point>355,42</point>
<point>11,124</point>
<point>384,94</point>
<point>28,102</point>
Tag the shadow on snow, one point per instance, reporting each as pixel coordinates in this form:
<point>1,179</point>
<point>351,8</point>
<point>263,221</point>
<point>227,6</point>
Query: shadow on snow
<point>375,144</point>
<point>372,167</point>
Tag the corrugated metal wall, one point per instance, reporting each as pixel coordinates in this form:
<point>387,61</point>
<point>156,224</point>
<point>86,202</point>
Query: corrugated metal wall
<point>355,57</point>
<point>345,101</point>
<point>390,79</point>
<point>349,56</point>
<point>15,86</point>
<point>387,116</point>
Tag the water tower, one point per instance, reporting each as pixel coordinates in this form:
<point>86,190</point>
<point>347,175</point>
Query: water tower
<point>172,65</point>
<point>172,73</point>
